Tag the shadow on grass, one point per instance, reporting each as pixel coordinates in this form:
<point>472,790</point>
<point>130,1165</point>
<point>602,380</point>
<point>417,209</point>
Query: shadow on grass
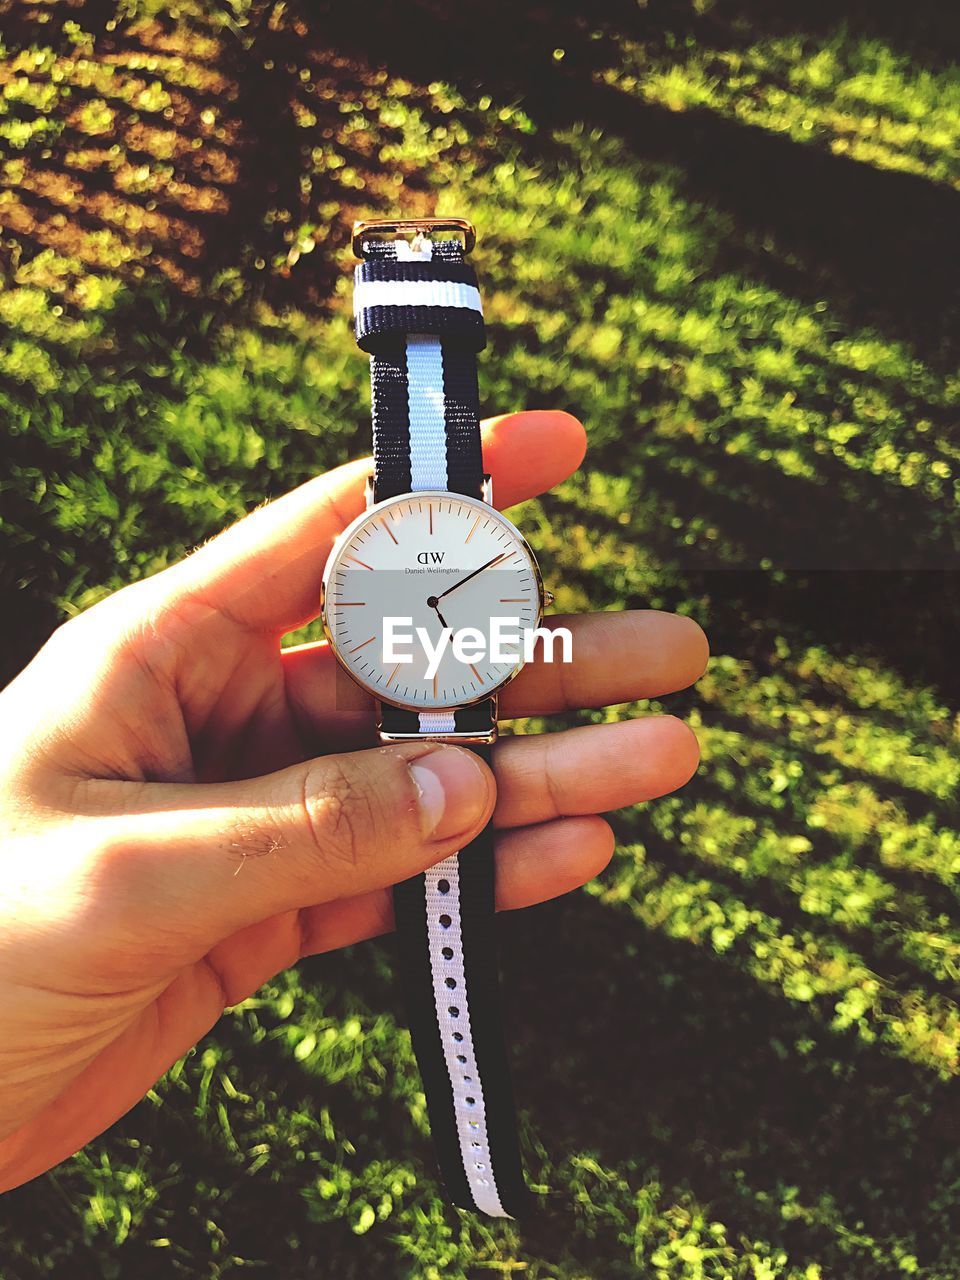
<point>655,1056</point>
<point>878,244</point>
<point>879,942</point>
<point>905,617</point>
<point>660,1056</point>
<point>250,1220</point>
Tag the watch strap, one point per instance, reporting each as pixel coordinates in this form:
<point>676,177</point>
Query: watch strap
<point>419,316</point>
<point>448,956</point>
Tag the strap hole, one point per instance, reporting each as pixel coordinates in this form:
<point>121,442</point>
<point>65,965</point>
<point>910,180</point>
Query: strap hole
<point>445,922</point>
<point>447,953</point>
<point>461,1057</point>
<point>471,1102</point>
<point>457,1036</point>
<point>453,1011</point>
<point>451,983</point>
<point>443,886</point>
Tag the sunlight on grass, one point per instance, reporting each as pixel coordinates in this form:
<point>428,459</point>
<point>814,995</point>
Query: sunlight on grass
<point>746,1067</point>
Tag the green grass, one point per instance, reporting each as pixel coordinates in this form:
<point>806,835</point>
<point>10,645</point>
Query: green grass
<point>724,237</point>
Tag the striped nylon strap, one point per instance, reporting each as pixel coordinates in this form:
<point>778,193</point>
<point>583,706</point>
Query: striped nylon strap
<point>423,330</point>
<point>418,314</point>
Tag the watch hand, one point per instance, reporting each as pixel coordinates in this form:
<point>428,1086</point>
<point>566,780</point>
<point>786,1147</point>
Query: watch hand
<point>432,604</point>
<point>489,564</point>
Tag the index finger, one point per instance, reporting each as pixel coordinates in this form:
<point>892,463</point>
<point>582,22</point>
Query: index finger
<point>264,572</point>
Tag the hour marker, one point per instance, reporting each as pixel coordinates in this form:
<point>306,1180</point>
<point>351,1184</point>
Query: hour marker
<point>509,600</point>
<point>359,562</point>
<point>364,645</point>
<point>430,512</point>
<point>354,604</point>
<point>384,525</point>
<point>473,530</point>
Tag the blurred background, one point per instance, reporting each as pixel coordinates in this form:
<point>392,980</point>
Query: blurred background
<point>725,235</point>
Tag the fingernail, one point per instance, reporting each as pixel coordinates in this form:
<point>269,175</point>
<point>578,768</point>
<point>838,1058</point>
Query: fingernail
<point>453,791</point>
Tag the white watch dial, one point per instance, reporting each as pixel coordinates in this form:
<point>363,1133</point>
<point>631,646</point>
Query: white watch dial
<point>410,569</point>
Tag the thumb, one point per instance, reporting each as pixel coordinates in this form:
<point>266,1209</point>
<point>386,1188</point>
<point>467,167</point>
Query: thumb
<point>200,861</point>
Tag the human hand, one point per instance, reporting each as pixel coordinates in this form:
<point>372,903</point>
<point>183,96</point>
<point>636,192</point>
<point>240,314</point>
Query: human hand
<point>176,830</point>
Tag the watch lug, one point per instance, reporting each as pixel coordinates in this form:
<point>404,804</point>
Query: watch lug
<point>463,737</point>
<point>472,738</point>
<point>486,490</point>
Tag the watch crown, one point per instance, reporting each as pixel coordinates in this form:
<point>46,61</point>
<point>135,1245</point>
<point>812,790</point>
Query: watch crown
<point>548,599</point>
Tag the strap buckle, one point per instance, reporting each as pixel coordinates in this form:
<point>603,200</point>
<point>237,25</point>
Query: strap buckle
<point>419,226</point>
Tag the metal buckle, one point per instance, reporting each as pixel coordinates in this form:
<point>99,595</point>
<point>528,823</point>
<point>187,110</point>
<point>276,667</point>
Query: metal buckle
<point>398,226</point>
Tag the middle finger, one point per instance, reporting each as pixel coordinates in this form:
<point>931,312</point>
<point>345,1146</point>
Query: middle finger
<point>617,657</point>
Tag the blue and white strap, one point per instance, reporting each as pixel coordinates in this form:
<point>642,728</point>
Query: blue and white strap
<point>423,367</point>
<point>419,315</point>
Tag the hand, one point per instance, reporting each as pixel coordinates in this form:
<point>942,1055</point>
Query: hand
<point>176,833</point>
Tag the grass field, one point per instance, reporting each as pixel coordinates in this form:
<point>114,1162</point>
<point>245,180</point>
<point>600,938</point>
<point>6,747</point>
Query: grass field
<point>725,235</point>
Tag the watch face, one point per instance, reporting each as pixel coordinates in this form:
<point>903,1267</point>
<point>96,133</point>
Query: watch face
<point>427,598</point>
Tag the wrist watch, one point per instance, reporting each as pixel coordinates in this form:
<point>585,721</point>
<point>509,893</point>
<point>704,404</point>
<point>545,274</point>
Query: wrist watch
<point>431,557</point>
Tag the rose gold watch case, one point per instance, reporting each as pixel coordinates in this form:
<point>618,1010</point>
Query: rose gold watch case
<point>371,512</point>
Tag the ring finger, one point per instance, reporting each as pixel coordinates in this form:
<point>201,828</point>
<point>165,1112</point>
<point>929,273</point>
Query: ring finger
<point>591,769</point>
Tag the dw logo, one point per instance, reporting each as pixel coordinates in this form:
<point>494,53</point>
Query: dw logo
<point>430,557</point>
